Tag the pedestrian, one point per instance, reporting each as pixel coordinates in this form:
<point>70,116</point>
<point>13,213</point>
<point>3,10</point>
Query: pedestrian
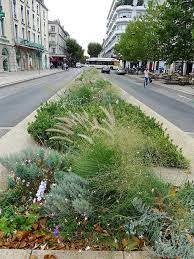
<point>146,77</point>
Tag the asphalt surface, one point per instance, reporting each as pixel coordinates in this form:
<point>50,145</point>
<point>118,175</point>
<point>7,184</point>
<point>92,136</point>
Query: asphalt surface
<point>175,106</point>
<point>20,100</point>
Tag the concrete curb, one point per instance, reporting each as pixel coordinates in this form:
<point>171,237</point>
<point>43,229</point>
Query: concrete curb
<point>178,137</point>
<point>29,79</point>
<point>40,254</point>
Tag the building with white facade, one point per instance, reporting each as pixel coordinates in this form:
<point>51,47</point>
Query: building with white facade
<point>57,43</point>
<point>30,29</point>
<point>120,14</point>
<point>24,41</point>
<point>7,50</point>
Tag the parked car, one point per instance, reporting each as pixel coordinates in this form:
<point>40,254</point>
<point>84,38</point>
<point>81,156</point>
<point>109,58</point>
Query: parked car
<point>106,70</point>
<point>78,65</point>
<point>121,71</point>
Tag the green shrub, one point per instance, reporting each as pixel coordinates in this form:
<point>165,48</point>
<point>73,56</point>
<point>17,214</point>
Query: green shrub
<point>44,120</point>
<point>14,219</point>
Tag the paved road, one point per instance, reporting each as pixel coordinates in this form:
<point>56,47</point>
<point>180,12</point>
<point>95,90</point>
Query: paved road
<point>175,106</point>
<point>18,101</point>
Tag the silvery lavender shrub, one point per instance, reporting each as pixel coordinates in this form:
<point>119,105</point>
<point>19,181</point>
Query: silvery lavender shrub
<point>28,169</point>
<point>164,236</point>
<point>68,198</point>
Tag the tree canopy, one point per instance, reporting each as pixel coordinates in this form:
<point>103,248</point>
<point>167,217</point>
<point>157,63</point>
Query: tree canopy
<point>75,52</point>
<point>164,32</point>
<point>94,49</point>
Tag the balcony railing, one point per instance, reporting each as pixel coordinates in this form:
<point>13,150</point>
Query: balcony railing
<point>29,44</point>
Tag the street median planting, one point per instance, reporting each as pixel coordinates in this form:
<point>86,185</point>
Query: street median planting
<point>91,186</point>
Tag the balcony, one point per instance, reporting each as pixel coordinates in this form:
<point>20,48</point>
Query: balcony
<point>29,44</point>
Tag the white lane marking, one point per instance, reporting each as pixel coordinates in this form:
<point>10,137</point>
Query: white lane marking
<point>182,96</point>
<point>6,128</point>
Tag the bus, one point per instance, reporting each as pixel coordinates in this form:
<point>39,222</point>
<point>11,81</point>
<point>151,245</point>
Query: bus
<point>99,63</point>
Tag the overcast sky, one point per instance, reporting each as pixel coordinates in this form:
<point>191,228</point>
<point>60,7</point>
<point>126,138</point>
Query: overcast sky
<point>85,20</point>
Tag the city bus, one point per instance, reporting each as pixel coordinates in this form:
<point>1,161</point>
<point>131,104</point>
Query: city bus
<point>99,63</point>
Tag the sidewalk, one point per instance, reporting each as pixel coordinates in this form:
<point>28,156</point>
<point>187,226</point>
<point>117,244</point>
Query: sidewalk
<point>9,78</point>
<point>184,89</point>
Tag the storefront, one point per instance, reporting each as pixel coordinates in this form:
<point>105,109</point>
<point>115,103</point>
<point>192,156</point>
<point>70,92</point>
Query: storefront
<point>29,56</point>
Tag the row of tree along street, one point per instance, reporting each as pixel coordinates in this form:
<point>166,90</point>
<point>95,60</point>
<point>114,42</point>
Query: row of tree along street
<point>75,53</point>
<point>165,32</point>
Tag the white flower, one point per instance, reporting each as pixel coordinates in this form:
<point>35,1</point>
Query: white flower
<point>0,211</point>
<point>153,190</point>
<point>41,191</point>
<point>87,248</point>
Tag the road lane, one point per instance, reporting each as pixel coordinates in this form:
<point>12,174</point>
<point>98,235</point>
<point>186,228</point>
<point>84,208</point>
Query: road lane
<point>18,101</point>
<point>177,109</point>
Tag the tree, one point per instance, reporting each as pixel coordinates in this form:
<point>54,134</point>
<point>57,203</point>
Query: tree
<point>175,27</point>
<point>94,49</point>
<point>164,32</point>
<point>140,41</point>
<point>75,53</point>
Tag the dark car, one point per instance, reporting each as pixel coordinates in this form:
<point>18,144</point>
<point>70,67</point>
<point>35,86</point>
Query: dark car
<point>106,70</point>
<point>121,71</point>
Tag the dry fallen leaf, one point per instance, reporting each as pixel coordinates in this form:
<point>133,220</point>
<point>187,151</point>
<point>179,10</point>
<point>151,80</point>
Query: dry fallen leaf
<point>22,234</point>
<point>50,257</point>
<point>99,229</point>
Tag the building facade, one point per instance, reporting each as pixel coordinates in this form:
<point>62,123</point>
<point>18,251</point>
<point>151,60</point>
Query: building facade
<point>30,33</point>
<point>57,43</point>
<point>120,14</point>
<point>7,49</point>
<point>24,41</point>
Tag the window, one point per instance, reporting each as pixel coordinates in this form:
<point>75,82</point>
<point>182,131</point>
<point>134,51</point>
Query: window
<point>44,14</point>
<point>2,31</point>
<point>39,39</point>
<point>14,9</point>
<point>38,24</point>
<point>53,28</point>
<point>34,37</point>
<point>44,28</point>
<point>45,42</point>
<point>53,50</point>
<point>33,5</point>
<point>22,13</point>
<point>37,8</point>
<point>33,20</point>
<point>28,17</point>
<point>23,33</point>
<point>16,31</point>
<point>29,35</point>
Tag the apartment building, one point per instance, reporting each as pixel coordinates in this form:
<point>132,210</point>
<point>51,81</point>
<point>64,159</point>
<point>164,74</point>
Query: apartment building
<point>57,43</point>
<point>30,34</point>
<point>7,50</point>
<point>24,40</point>
<point>120,14</point>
